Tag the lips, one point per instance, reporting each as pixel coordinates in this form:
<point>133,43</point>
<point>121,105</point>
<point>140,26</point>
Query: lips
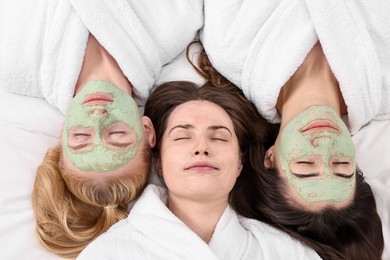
<point>202,167</point>
<point>98,99</point>
<point>319,126</point>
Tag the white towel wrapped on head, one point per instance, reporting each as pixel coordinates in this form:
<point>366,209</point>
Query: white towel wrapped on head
<point>258,45</point>
<point>43,42</point>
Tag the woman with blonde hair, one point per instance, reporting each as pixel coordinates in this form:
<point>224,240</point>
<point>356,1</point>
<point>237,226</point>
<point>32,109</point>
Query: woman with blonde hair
<point>85,184</point>
<point>95,61</point>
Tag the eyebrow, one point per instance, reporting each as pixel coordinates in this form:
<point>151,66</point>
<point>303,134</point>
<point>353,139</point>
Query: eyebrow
<point>120,145</point>
<point>212,128</point>
<point>217,127</point>
<point>346,176</point>
<point>79,146</point>
<point>186,126</point>
<point>306,175</point>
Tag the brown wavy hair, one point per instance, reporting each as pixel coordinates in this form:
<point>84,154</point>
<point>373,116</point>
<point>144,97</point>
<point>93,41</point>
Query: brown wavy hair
<point>353,232</point>
<point>70,210</point>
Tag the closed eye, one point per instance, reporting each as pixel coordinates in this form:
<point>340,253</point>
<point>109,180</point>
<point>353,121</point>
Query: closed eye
<point>219,139</point>
<point>346,163</point>
<point>305,162</point>
<point>181,138</point>
<point>81,134</point>
<point>117,132</point>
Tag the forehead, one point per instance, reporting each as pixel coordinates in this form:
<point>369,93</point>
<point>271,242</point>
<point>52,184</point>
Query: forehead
<point>297,201</point>
<point>200,112</point>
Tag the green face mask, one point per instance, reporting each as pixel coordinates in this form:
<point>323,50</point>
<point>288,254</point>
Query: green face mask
<point>122,109</point>
<point>295,145</point>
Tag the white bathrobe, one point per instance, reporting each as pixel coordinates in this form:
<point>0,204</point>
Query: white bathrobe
<point>258,45</point>
<point>42,42</point>
<point>152,231</point>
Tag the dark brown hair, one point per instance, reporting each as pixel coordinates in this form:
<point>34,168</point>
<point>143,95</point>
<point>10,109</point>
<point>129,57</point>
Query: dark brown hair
<point>352,232</point>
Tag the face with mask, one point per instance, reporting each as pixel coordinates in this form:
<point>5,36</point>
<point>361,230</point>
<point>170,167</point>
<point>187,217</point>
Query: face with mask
<point>103,129</point>
<point>314,152</point>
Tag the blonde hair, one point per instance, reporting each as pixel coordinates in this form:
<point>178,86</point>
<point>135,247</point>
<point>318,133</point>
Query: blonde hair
<point>71,210</point>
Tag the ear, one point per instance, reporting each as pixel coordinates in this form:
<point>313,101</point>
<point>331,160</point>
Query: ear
<point>150,134</point>
<point>269,159</point>
<point>159,166</point>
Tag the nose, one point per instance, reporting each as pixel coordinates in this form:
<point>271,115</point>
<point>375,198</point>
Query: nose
<point>99,112</point>
<point>201,148</point>
<point>202,152</point>
<point>322,141</point>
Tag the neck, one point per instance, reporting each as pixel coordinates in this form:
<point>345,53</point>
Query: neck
<point>98,64</point>
<point>312,84</point>
<point>200,216</point>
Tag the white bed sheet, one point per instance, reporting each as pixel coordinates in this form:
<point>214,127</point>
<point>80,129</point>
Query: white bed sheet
<point>29,126</point>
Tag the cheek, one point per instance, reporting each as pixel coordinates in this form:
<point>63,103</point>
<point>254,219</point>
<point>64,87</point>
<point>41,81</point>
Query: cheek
<point>170,161</point>
<point>294,146</point>
<point>236,158</point>
<point>170,172</point>
<point>232,164</point>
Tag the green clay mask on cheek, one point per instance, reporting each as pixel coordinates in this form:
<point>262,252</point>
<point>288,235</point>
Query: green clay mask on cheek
<point>326,146</point>
<point>123,109</point>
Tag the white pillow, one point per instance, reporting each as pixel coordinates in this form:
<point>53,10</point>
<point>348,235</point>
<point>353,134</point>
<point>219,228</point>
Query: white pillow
<point>373,157</point>
<point>28,127</point>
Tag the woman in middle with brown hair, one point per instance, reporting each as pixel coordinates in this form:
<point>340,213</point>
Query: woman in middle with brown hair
<point>203,136</point>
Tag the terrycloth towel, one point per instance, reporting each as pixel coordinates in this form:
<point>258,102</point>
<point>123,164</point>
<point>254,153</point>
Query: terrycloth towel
<point>142,36</point>
<point>258,45</point>
<point>42,43</point>
<point>152,231</point>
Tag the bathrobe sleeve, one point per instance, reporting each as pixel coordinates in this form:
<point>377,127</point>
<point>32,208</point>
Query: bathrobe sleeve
<point>259,46</point>
<point>43,42</point>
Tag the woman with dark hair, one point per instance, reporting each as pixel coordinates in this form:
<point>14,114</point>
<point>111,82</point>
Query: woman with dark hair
<point>308,183</point>
<point>314,169</point>
<point>203,139</point>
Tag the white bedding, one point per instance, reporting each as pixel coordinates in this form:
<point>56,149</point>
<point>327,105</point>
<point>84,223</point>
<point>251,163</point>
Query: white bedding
<point>28,126</point>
